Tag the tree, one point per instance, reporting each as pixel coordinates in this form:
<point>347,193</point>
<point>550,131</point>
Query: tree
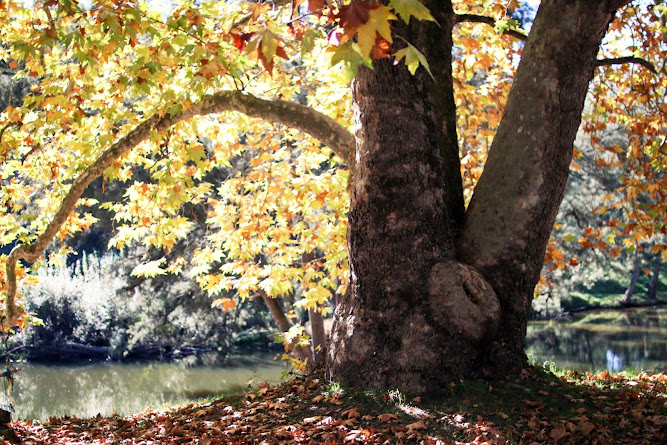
<point>437,291</point>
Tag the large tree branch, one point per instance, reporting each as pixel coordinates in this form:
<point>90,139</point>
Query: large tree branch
<point>629,59</point>
<point>294,115</point>
<point>475,18</point>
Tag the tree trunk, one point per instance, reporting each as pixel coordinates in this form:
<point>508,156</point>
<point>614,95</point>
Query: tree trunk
<point>514,206</point>
<point>318,338</point>
<point>415,317</point>
<point>652,292</point>
<point>636,267</point>
<point>283,323</point>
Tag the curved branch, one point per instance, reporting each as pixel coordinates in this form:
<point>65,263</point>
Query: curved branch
<point>629,59</point>
<point>294,115</point>
<point>476,18</point>
<point>291,114</point>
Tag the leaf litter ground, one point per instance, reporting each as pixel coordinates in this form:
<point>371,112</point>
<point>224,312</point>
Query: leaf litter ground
<point>537,408</point>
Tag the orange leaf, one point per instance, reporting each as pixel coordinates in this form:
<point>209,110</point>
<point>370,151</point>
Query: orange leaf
<point>351,413</point>
<point>558,433</point>
<point>388,417</point>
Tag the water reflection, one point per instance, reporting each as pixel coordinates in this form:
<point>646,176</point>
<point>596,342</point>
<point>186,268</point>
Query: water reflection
<point>606,339</point>
<point>42,391</point>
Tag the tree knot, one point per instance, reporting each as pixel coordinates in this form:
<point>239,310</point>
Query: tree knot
<point>463,303</point>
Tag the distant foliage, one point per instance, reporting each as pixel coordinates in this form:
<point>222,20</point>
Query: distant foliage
<point>78,303</point>
<point>94,302</point>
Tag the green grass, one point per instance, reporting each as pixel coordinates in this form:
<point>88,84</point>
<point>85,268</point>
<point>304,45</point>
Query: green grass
<point>578,300</point>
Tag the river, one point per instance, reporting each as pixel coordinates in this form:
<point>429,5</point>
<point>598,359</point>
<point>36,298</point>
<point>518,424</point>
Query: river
<point>613,340</point>
<point>592,341</point>
<point>85,390</point>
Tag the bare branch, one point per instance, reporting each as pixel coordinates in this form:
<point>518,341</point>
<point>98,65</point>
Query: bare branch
<point>629,59</point>
<point>475,18</point>
<point>291,114</point>
<point>6,127</point>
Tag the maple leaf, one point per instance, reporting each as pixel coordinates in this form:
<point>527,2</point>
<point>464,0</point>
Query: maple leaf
<point>585,427</point>
<point>351,413</point>
<point>350,54</point>
<point>226,303</point>
<point>558,433</point>
<point>211,69</point>
<point>377,24</point>
<point>264,46</point>
<point>353,15</point>
<point>388,417</point>
<point>149,269</point>
<point>411,8</point>
<point>257,9</point>
<point>416,426</point>
<point>413,58</point>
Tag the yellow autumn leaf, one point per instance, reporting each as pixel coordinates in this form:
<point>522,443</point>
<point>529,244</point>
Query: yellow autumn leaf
<point>378,23</point>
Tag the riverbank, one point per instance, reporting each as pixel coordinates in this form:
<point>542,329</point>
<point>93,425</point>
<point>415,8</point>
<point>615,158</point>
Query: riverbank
<point>545,307</point>
<point>538,407</point>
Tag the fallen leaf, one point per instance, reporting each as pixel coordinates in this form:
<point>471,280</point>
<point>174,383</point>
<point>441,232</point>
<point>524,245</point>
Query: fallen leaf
<point>585,427</point>
<point>388,417</point>
<point>558,433</point>
<point>418,425</point>
<point>351,413</point>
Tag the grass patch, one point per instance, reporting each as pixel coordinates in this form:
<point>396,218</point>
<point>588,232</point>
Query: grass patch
<point>583,300</point>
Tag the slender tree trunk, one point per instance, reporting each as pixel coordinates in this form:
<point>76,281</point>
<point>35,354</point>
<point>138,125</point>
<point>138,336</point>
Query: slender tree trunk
<point>636,268</point>
<point>283,323</point>
<point>652,292</point>
<point>318,338</point>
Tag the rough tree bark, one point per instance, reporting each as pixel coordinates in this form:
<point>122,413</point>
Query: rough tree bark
<point>429,302</point>
<point>414,316</point>
<point>516,200</point>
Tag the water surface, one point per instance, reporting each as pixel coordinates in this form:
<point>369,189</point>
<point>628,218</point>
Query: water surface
<point>84,390</point>
<point>614,340</point>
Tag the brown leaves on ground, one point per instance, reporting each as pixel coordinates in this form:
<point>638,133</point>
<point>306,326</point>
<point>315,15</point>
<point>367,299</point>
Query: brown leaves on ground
<point>536,408</point>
